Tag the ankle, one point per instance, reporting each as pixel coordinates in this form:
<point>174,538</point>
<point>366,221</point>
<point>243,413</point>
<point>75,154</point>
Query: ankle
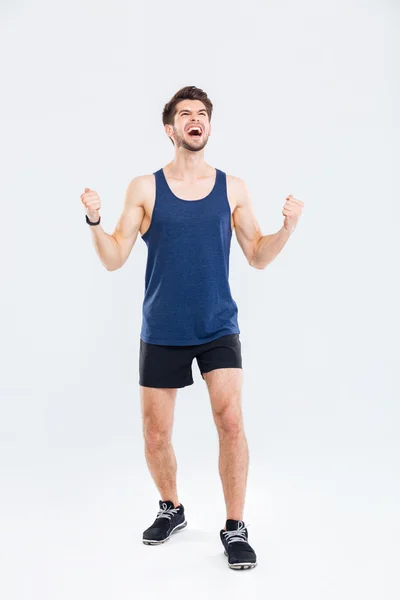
<point>175,502</point>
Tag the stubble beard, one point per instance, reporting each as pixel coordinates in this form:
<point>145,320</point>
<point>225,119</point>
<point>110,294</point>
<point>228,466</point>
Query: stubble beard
<point>181,142</point>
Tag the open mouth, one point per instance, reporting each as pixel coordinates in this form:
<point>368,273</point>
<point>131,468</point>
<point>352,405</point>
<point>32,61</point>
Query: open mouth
<point>194,132</point>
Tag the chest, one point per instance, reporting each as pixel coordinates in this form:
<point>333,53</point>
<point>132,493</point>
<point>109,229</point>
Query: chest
<point>189,201</point>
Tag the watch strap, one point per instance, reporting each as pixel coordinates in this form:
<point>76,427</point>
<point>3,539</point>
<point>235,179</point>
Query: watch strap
<point>91,222</point>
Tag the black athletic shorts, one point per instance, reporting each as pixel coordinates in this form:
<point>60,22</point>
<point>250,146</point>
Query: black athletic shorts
<point>171,366</point>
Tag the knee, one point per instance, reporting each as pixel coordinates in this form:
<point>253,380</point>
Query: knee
<point>155,435</point>
<point>229,423</point>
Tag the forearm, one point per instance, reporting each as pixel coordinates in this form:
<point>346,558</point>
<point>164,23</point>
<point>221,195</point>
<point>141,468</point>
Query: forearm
<point>268,247</point>
<point>106,247</point>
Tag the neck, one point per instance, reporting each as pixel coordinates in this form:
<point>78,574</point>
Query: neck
<point>188,165</point>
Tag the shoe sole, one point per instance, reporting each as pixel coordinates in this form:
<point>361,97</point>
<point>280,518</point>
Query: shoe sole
<point>238,566</point>
<point>157,542</point>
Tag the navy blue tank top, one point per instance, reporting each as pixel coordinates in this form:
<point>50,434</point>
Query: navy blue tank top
<point>187,297</point>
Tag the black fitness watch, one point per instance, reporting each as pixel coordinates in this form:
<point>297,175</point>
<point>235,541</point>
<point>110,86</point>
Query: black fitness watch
<point>91,222</point>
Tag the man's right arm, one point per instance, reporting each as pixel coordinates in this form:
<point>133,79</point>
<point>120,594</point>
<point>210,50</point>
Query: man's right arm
<point>113,250</point>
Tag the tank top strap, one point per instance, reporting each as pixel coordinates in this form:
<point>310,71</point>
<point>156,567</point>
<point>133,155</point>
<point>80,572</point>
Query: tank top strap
<point>220,188</point>
<point>161,184</point>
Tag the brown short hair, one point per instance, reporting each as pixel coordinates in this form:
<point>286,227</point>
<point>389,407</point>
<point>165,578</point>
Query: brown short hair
<point>190,92</point>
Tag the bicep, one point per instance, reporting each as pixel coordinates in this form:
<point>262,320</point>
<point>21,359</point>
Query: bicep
<point>130,220</point>
<point>247,228</point>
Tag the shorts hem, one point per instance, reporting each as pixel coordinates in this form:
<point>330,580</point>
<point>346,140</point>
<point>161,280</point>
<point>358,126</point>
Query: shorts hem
<point>169,387</point>
<point>221,367</point>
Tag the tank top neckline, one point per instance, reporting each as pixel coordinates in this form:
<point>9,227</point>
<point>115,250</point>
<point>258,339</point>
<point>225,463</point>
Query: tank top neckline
<point>182,199</point>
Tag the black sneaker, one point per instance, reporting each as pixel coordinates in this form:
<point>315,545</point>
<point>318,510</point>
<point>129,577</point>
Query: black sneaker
<point>239,552</point>
<point>168,520</point>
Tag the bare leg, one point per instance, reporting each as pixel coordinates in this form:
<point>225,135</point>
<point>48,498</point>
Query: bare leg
<point>225,390</point>
<point>158,406</point>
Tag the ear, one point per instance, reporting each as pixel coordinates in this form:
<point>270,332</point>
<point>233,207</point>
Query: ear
<point>168,130</point>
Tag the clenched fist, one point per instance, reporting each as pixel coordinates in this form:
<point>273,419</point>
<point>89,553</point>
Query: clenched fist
<point>91,201</point>
<point>292,212</point>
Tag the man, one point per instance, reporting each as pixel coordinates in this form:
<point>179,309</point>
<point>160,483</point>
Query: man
<point>186,213</point>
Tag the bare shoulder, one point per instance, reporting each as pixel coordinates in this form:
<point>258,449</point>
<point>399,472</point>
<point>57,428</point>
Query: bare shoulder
<point>140,190</point>
<point>134,215</point>
<point>237,190</point>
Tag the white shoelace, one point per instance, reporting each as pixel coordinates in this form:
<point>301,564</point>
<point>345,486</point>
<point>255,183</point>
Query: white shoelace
<point>237,535</point>
<point>166,513</point>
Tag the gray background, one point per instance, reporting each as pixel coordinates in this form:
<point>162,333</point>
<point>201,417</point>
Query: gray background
<point>304,103</point>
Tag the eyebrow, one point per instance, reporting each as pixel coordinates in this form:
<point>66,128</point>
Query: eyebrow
<point>187,110</point>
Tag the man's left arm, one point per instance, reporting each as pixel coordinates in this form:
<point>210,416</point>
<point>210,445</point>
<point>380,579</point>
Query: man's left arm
<point>260,249</point>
